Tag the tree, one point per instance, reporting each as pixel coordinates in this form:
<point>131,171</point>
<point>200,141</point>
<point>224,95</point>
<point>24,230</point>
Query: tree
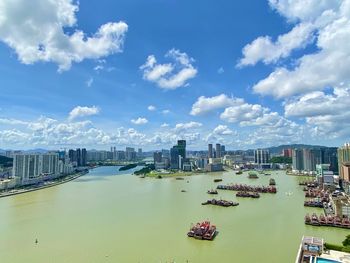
<point>346,242</point>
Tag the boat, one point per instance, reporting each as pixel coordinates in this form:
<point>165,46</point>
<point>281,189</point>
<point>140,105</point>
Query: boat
<point>212,192</point>
<point>272,181</point>
<point>183,191</point>
<point>220,203</point>
<point>179,178</point>
<point>247,194</point>
<point>239,172</point>
<point>253,175</point>
<point>267,173</point>
<point>217,180</point>
<point>248,188</point>
<point>202,231</point>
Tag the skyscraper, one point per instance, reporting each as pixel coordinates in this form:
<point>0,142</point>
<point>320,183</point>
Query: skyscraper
<point>210,150</point>
<point>261,156</point>
<point>181,144</point>
<point>344,162</point>
<point>218,150</point>
<point>83,157</point>
<point>78,154</point>
<point>157,157</point>
<point>174,157</point>
<point>297,160</point>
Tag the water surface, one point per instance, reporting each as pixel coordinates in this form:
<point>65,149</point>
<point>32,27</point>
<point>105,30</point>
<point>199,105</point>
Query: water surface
<point>111,216</point>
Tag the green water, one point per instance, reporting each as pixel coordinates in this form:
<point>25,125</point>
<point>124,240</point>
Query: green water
<point>108,216</point>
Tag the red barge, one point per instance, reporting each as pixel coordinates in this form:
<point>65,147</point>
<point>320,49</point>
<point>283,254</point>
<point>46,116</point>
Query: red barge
<point>203,230</point>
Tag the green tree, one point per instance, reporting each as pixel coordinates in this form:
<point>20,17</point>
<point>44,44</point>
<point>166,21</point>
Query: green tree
<point>346,242</point>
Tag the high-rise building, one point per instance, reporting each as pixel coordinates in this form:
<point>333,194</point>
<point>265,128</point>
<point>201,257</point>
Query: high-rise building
<point>72,155</point>
<point>130,154</point>
<point>210,150</point>
<point>297,160</point>
<point>344,162</point>
<point>78,154</point>
<point>261,156</point>
<point>330,156</point>
<point>287,152</point>
<point>139,153</point>
<point>30,166</point>
<point>174,157</point>
<point>181,144</point>
<point>157,157</point>
<point>223,150</point>
<point>311,157</point>
<point>83,157</point>
<point>218,150</point>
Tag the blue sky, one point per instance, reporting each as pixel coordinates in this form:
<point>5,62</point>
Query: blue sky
<point>146,73</point>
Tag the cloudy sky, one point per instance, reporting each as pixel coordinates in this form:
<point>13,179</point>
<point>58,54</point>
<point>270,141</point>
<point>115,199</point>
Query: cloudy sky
<point>251,73</point>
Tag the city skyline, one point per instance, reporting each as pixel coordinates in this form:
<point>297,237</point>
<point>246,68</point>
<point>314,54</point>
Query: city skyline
<point>145,78</point>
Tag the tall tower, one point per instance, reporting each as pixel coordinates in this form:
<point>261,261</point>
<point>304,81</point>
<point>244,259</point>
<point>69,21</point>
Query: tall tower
<point>218,150</point>
<point>210,150</point>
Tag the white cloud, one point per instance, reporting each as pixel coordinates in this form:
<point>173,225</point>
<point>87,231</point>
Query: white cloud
<point>264,49</point>
<point>151,108</point>
<point>222,130</point>
<point>80,111</point>
<point>187,126</point>
<point>89,82</point>
<point>166,111</point>
<point>207,104</point>
<point>36,31</point>
<point>7,121</point>
<point>329,65</point>
<point>139,121</point>
<point>171,75</point>
<point>164,125</point>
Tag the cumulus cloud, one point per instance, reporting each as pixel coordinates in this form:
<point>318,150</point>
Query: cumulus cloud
<point>207,104</point>
<point>151,108</point>
<point>36,31</point>
<point>328,66</point>
<point>166,111</point>
<point>80,111</point>
<point>164,125</point>
<point>170,75</point>
<point>265,50</point>
<point>139,121</point>
<point>187,126</point>
<point>222,130</point>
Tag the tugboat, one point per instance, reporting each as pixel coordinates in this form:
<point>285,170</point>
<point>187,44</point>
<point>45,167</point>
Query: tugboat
<point>272,182</point>
<point>212,192</point>
<point>217,180</point>
<point>203,230</point>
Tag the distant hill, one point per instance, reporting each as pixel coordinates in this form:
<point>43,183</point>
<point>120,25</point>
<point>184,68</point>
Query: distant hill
<point>278,149</point>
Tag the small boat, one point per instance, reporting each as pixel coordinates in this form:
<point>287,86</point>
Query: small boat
<point>239,172</point>
<point>272,181</point>
<point>212,192</point>
<point>179,178</point>
<point>217,180</point>
<point>253,175</point>
<point>36,241</point>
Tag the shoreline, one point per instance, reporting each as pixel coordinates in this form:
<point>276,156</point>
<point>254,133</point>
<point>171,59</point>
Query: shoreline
<point>22,191</point>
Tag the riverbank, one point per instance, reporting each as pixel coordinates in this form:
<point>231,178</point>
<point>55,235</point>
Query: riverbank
<point>47,184</point>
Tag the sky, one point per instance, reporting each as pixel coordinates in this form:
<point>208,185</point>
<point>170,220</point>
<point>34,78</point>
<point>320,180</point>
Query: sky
<point>247,74</point>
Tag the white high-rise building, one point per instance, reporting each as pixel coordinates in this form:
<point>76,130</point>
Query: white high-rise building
<point>30,166</point>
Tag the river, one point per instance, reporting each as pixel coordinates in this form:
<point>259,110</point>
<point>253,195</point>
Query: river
<point>111,216</point>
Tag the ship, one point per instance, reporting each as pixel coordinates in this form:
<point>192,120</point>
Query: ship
<point>212,192</point>
<point>217,180</point>
<point>272,182</point>
<point>202,231</point>
<point>220,203</point>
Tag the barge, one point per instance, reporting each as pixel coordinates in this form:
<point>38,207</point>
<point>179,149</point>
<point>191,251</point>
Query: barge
<point>220,203</point>
<point>248,194</point>
<point>202,231</point>
<point>330,220</point>
<point>248,188</point>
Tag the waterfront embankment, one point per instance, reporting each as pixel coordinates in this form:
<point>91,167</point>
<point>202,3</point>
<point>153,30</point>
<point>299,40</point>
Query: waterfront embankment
<point>44,185</point>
